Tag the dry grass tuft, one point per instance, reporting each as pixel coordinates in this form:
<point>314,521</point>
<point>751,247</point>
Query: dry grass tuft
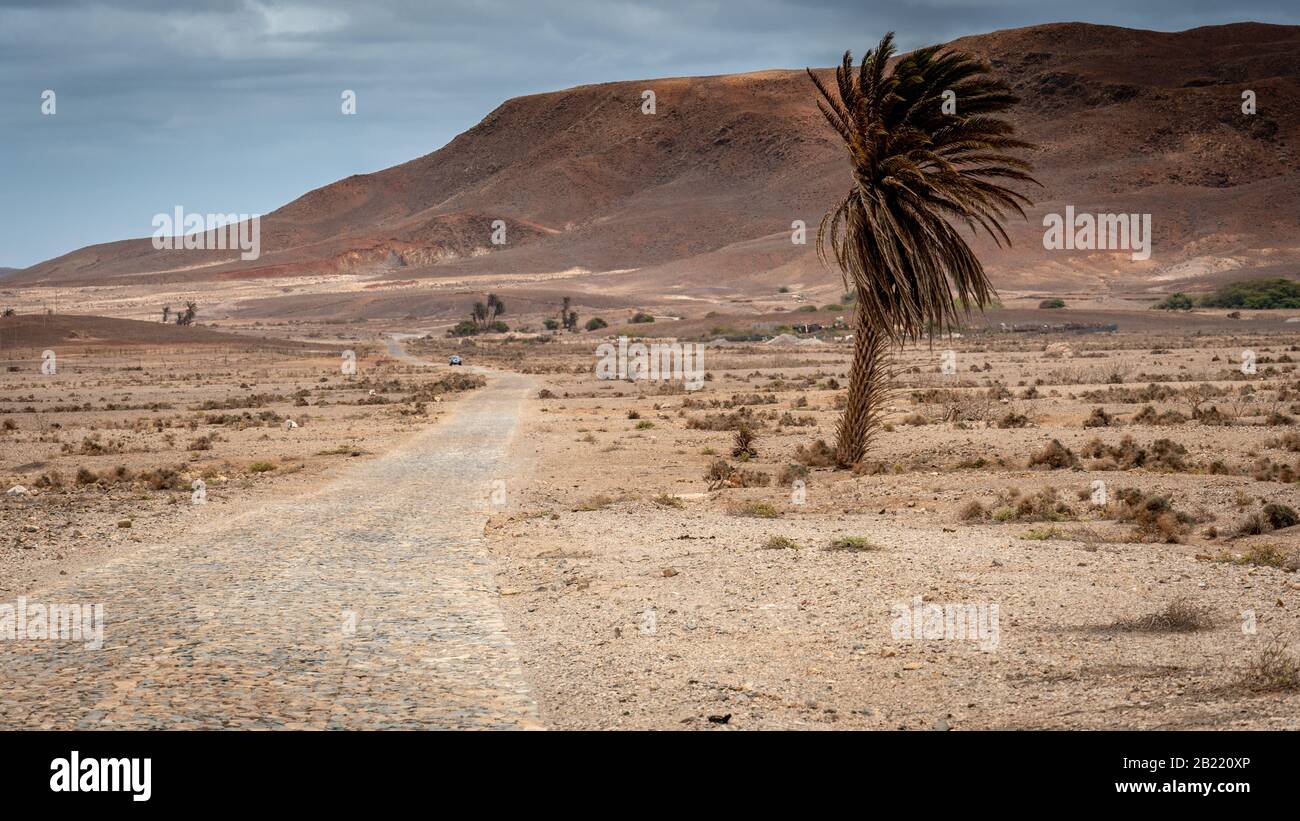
<point>1182,615</point>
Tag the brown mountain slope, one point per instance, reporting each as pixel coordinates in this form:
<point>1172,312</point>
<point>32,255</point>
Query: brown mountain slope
<point>702,193</point>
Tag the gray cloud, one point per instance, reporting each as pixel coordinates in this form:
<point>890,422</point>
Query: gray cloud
<point>234,107</point>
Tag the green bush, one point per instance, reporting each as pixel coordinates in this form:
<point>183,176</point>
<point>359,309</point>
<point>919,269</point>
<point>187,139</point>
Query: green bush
<point>1175,302</point>
<point>640,317</point>
<point>1052,303</point>
<point>1257,294</point>
<point>596,323</point>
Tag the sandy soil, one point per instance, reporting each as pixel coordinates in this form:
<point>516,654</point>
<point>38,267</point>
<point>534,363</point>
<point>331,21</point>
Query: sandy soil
<point>109,447</point>
<point>644,583</point>
<point>645,596</point>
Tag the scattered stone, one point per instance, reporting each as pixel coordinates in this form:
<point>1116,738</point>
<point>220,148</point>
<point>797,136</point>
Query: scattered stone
<point>16,490</point>
<point>124,523</point>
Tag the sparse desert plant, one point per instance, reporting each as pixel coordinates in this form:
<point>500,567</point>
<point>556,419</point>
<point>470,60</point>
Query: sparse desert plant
<point>1273,669</point>
<point>1099,418</point>
<point>1153,516</point>
<point>972,511</point>
<point>261,467</point>
<point>853,544</point>
<point>781,543</point>
<point>1271,517</point>
<point>744,443</point>
<point>665,500</point>
<point>1262,555</point>
<point>790,473</point>
<point>816,455</point>
<point>910,269</point>
<point>597,502</point>
<point>1013,419</point>
<point>754,509</point>
<point>1182,615</point>
<point>1055,456</point>
<point>162,478</point>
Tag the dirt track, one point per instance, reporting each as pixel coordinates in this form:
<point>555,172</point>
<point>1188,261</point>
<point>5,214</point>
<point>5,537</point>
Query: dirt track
<point>369,603</point>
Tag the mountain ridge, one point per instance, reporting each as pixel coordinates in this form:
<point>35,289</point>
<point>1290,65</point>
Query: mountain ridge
<point>702,194</point>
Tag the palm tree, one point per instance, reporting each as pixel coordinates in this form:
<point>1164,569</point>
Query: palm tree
<point>914,169</point>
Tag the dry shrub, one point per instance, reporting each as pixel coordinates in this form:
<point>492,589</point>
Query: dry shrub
<point>972,511</point>
<point>744,443</point>
<point>1288,441</point>
<point>1164,454</point>
<point>781,543</point>
<point>790,473</point>
<point>163,478</point>
<point>1182,615</point>
<point>817,455</point>
<point>722,474</point>
<point>1153,516</point>
<point>597,502</point>
<point>1012,419</point>
<point>1266,470</point>
<point>1054,456</point>
<point>789,420</point>
<point>1149,416</point>
<point>724,421</point>
<point>52,479</point>
<point>1263,555</point>
<point>1274,669</point>
<point>1098,419</point>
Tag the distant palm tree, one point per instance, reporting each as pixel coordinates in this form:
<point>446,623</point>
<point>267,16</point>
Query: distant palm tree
<point>167,312</point>
<point>915,167</point>
<point>186,317</point>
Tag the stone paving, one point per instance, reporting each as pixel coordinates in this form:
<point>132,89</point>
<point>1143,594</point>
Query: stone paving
<point>368,604</point>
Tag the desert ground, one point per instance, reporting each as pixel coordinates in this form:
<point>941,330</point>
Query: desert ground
<point>1117,505</point>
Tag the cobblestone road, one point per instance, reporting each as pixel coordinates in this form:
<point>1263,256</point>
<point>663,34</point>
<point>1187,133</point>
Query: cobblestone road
<point>367,604</point>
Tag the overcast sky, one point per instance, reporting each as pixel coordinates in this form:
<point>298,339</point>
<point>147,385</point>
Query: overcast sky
<point>235,106</point>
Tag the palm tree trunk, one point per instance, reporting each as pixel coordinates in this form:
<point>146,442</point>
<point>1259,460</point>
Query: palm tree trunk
<point>868,388</point>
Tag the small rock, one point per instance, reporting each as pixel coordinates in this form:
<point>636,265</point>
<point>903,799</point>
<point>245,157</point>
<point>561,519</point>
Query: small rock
<point>941,725</point>
<point>16,490</point>
<point>669,572</point>
<point>124,523</point>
